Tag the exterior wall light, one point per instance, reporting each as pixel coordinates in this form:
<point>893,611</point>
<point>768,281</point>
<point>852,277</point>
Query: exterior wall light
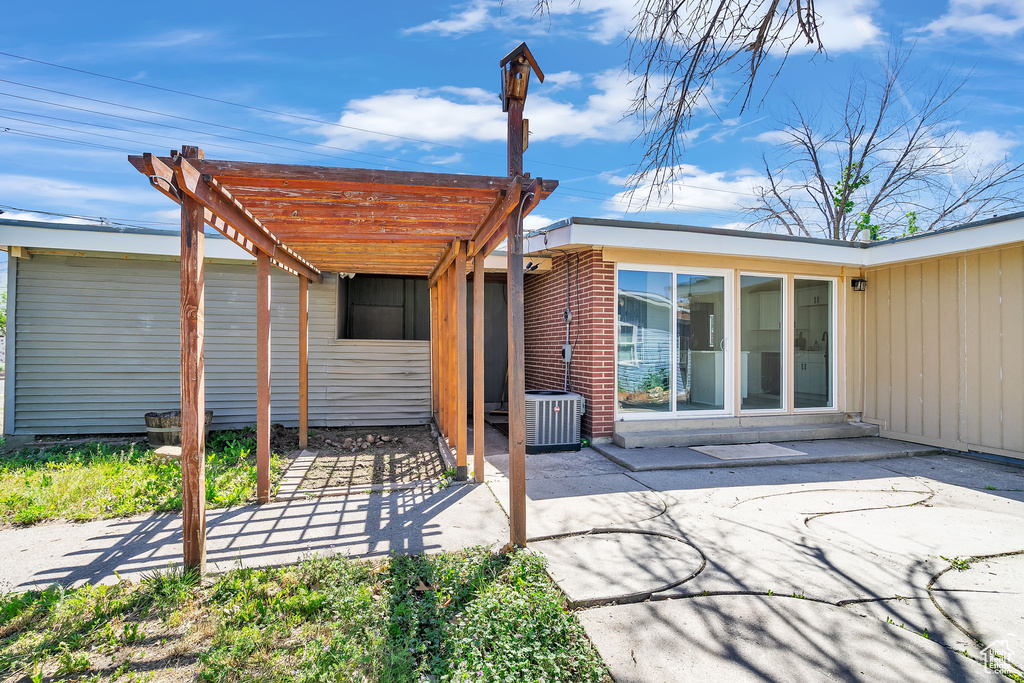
<point>859,284</point>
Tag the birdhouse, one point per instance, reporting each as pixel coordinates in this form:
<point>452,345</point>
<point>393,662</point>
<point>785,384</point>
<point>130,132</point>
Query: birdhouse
<point>515,74</point>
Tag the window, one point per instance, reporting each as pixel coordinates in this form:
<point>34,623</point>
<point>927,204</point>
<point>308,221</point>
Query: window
<point>645,314</point>
<point>761,357</point>
<point>627,343</point>
<point>381,307</point>
<point>812,341</point>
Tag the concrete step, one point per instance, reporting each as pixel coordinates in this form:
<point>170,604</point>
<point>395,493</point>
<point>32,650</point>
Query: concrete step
<point>776,433</point>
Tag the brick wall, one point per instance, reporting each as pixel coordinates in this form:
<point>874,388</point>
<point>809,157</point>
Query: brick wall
<point>593,361</point>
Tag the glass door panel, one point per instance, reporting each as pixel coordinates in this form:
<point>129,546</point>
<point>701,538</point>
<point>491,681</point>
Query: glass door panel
<point>644,341</point>
<point>761,354</point>
<point>700,338</point>
<point>812,337</point>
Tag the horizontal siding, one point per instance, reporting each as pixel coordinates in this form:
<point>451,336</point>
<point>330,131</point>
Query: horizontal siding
<point>97,346</point>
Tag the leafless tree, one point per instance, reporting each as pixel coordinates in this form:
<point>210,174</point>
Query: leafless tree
<point>891,162</point>
<point>678,47</point>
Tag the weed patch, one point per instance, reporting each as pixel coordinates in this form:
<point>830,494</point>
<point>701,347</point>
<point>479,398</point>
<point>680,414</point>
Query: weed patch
<point>464,616</point>
<point>95,481</point>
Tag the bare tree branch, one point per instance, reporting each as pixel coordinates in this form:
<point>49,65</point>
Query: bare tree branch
<point>886,164</point>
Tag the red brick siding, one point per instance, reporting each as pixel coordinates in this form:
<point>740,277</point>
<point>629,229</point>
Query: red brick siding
<point>593,361</point>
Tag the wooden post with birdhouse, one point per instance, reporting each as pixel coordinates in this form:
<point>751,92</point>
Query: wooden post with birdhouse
<point>515,81</point>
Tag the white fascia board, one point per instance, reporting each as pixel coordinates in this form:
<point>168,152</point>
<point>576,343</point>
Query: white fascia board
<point>116,242</point>
<point>945,243</point>
<point>693,242</point>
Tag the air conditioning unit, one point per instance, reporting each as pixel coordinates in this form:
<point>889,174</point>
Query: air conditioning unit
<point>553,421</point>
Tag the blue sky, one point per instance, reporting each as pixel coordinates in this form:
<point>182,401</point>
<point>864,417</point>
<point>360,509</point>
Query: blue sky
<point>414,86</point>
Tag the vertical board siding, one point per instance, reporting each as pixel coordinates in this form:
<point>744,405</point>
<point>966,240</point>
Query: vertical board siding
<point>97,346</point>
<point>945,350</point>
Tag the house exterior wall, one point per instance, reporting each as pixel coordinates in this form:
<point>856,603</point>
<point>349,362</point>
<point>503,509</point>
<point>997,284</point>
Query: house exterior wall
<point>593,360</point>
<point>944,350</point>
<point>96,342</point>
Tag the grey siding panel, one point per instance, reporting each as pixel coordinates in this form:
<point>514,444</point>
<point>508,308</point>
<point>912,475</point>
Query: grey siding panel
<point>97,347</point>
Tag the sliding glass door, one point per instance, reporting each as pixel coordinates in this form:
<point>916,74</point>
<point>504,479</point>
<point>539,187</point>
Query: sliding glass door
<point>645,341</point>
<point>700,342</point>
<point>761,337</point>
<point>812,341</point>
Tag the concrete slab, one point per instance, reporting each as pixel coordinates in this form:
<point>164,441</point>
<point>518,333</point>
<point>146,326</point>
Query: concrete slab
<point>272,534</point>
<point>747,451</point>
<point>600,567</point>
<point>819,451</point>
<point>987,600</point>
<point>567,504</point>
<point>759,638</point>
<point>585,462</point>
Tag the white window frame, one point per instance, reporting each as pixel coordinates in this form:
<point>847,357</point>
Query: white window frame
<point>785,341</point>
<point>833,365</point>
<point>728,340</point>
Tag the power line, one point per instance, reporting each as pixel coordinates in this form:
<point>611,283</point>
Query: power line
<point>121,222</point>
<point>190,120</point>
<point>310,120</point>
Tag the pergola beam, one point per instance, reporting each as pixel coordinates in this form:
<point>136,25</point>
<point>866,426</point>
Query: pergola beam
<point>245,229</point>
<point>495,218</point>
<point>446,259</point>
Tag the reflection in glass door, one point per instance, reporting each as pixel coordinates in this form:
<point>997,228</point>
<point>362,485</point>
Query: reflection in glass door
<point>761,342</point>
<point>644,341</point>
<point>700,338</point>
<point>812,337</point>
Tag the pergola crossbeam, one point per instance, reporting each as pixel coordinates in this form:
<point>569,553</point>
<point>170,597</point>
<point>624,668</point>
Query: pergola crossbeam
<point>495,218</point>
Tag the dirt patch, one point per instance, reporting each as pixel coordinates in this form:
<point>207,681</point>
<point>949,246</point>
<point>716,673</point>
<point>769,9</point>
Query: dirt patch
<point>358,456</point>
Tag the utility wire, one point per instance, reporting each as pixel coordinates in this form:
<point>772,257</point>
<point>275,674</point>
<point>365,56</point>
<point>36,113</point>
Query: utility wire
<point>309,119</point>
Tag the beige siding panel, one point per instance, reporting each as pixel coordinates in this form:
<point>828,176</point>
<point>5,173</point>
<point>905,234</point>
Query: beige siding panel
<point>971,390</point>
<point>97,347</point>
<point>915,350</point>
<point>953,337</point>
<point>855,302</point>
<point>1011,298</point>
<point>931,380</point>
<point>948,341</point>
<point>988,344</point>
<point>883,348</point>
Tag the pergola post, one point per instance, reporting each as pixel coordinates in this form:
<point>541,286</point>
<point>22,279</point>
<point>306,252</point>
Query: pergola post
<point>262,377</point>
<point>478,367</point>
<point>519,70</point>
<point>303,362</point>
<point>461,362</point>
<point>434,340</point>
<point>193,397</point>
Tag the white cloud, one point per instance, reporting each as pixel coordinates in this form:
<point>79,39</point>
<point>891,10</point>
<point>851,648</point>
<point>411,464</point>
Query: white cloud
<point>845,25</point>
<point>50,191</point>
<point>470,18</point>
<point>988,18</point>
<point>562,79</point>
<point>606,20</point>
<point>986,148</point>
<point>535,221</point>
<point>450,114</point>
<point>692,190</point>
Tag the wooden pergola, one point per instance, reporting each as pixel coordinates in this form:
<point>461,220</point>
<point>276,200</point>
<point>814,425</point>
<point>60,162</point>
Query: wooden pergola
<point>308,220</point>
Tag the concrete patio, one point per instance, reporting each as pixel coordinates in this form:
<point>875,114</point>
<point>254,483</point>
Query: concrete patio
<point>782,572</point>
<point>787,572</point>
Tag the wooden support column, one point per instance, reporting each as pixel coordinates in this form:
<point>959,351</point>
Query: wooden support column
<point>478,368</point>
<point>516,352</point>
<point>303,362</point>
<point>516,68</point>
<point>193,396</point>
<point>462,369</point>
<point>434,338</point>
<point>442,345</point>
<point>262,377</point>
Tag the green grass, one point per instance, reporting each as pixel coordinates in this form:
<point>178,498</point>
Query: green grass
<point>465,616</point>
<point>95,481</point>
